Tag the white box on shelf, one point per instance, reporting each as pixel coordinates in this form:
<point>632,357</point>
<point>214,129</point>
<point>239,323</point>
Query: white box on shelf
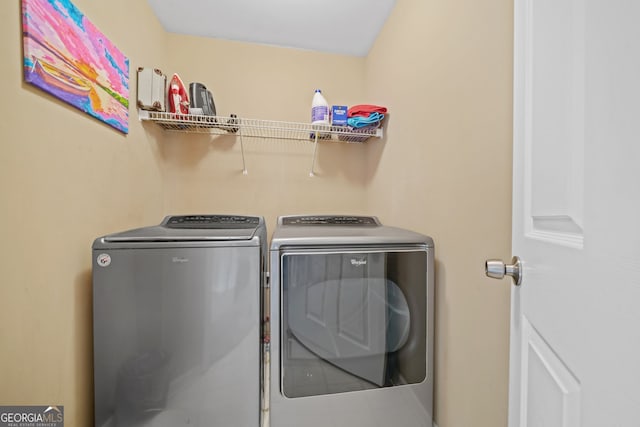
<point>152,90</point>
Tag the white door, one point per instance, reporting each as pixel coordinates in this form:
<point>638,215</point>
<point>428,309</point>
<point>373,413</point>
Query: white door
<point>575,323</point>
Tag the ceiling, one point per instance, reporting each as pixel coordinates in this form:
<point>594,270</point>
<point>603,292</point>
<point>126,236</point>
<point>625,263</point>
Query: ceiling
<point>347,27</point>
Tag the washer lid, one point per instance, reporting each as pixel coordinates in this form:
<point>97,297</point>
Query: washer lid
<point>185,228</point>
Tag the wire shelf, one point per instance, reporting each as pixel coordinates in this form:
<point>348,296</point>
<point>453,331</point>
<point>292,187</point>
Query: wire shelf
<point>255,128</point>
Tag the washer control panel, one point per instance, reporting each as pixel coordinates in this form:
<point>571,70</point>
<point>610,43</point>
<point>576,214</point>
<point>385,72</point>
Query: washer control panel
<point>211,221</point>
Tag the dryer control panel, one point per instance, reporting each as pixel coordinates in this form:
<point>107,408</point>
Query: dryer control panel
<point>369,221</point>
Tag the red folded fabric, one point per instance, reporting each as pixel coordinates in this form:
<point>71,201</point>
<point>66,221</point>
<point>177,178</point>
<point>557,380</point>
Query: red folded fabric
<point>365,110</point>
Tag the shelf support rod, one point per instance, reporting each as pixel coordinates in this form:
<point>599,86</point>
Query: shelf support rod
<point>244,165</point>
<point>315,149</point>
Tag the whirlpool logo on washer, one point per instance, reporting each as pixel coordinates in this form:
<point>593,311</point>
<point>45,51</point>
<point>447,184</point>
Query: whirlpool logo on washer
<point>358,262</point>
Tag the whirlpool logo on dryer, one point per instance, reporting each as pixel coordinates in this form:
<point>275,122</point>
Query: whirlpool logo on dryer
<point>358,262</point>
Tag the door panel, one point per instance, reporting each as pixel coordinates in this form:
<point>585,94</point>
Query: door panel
<point>550,392</point>
<point>548,223</point>
<point>553,104</point>
<point>575,340</point>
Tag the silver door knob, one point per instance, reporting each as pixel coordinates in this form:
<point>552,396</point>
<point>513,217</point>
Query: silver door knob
<point>497,269</point>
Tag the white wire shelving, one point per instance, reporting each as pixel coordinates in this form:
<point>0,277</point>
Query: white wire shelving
<point>256,128</point>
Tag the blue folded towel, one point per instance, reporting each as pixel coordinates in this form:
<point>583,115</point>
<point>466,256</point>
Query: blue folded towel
<point>360,121</point>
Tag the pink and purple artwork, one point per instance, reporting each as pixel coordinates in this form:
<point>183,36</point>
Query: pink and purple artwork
<point>68,57</point>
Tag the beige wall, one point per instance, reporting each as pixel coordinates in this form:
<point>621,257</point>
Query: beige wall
<point>204,173</point>
<point>443,69</point>
<point>65,179</point>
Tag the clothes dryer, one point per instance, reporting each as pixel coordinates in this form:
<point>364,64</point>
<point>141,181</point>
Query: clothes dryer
<point>351,323</point>
<point>176,323</point>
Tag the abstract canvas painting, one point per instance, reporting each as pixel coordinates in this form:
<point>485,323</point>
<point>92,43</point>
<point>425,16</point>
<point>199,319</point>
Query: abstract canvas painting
<point>68,57</point>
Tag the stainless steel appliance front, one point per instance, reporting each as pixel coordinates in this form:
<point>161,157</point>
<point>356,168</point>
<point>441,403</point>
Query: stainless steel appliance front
<point>177,325</point>
<point>351,328</point>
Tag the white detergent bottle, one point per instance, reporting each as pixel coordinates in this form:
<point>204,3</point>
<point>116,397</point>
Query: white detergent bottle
<point>320,114</point>
<point>319,109</point>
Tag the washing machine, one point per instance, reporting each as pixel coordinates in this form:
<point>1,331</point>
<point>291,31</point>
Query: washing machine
<point>177,323</point>
<point>351,324</point>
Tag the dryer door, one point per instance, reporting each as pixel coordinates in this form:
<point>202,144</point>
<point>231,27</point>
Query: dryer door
<point>352,320</point>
